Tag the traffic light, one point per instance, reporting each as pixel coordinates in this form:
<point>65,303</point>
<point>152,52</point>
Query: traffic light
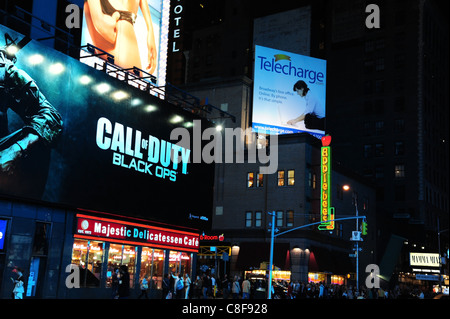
<point>364,228</point>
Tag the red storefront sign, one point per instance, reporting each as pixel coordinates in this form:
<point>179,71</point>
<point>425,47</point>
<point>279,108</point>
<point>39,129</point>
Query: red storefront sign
<point>90,227</point>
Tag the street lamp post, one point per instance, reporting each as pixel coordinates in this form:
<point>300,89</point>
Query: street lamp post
<point>346,188</point>
<point>272,236</point>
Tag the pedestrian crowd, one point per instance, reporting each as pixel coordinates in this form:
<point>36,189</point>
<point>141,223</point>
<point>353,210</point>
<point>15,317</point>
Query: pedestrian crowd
<point>321,290</point>
<point>206,286</point>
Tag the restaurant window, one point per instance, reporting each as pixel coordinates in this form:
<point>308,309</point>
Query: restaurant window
<point>88,256</point>
<point>152,265</point>
<point>250,180</point>
<point>260,180</point>
<point>121,255</point>
<point>180,263</point>
<point>248,219</point>
<point>280,178</point>
<point>291,177</point>
<point>258,219</point>
<point>279,219</point>
<point>290,218</point>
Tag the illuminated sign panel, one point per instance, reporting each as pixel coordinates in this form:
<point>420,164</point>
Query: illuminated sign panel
<point>2,233</point>
<point>424,259</point>
<point>80,138</point>
<point>289,93</point>
<point>326,211</point>
<point>135,34</point>
<point>88,227</point>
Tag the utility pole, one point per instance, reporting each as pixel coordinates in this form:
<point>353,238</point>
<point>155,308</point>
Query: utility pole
<point>272,236</point>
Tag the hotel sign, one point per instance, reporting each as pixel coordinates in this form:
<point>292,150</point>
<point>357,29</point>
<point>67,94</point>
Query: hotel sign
<point>424,259</point>
<point>326,211</point>
<point>90,227</point>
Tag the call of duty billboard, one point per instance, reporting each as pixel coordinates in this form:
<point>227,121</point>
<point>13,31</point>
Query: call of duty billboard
<point>75,136</point>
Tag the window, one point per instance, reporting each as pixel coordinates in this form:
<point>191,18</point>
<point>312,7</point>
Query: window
<point>280,178</point>
<point>379,150</point>
<point>291,177</point>
<point>260,180</point>
<point>121,255</point>
<point>41,236</point>
<point>379,127</point>
<point>368,151</point>
<point>290,218</point>
<point>379,172</point>
<point>379,64</point>
<point>379,86</point>
<point>258,219</point>
<point>88,256</point>
<point>399,171</point>
<point>399,148</point>
<point>314,181</point>
<point>250,180</point>
<point>399,125</point>
<point>279,219</point>
<point>180,262</point>
<point>152,265</point>
<point>248,219</point>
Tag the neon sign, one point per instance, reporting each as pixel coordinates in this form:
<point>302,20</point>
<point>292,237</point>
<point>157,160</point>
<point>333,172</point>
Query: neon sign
<point>326,211</point>
<point>89,227</point>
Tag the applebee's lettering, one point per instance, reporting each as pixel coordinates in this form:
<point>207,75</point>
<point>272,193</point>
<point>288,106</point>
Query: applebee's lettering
<point>152,156</point>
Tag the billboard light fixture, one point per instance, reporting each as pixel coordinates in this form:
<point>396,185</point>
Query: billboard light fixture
<point>150,108</point>
<point>119,95</point>
<point>103,88</point>
<point>176,119</point>
<point>85,79</point>
<point>56,68</point>
<point>36,59</point>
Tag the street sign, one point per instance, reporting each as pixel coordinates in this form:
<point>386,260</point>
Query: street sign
<point>356,236</point>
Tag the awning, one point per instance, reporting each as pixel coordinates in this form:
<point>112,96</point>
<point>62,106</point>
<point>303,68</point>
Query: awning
<point>329,261</point>
<point>252,254</point>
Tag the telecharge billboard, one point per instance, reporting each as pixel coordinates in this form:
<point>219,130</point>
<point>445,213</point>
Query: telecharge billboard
<point>289,93</point>
<point>75,136</point>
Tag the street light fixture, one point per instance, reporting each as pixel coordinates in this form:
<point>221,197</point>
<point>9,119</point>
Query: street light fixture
<point>347,188</point>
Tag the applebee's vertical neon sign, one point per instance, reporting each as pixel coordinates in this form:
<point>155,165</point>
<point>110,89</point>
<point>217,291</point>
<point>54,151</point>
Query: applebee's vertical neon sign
<point>326,211</point>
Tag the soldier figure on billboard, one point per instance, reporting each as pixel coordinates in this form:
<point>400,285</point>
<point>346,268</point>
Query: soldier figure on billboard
<point>42,125</point>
